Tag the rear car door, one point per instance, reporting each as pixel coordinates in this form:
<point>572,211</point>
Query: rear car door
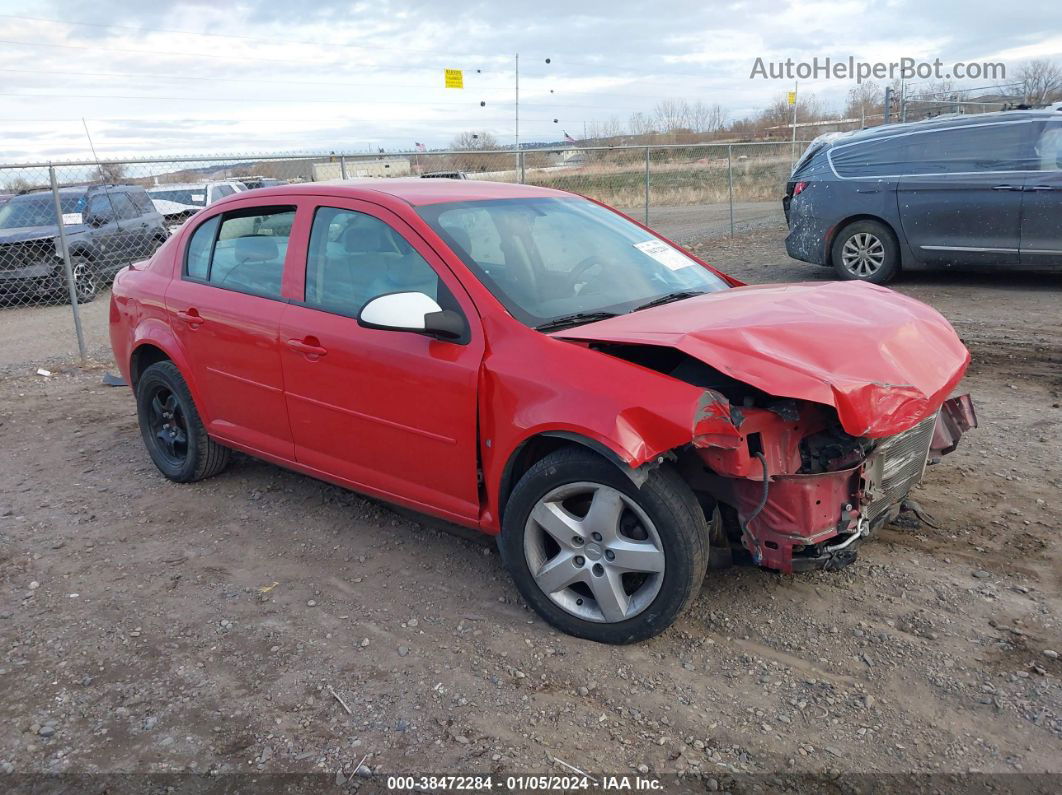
<point>106,235</point>
<point>224,308</point>
<point>960,198</point>
<point>1041,223</point>
<point>389,412</point>
<point>132,228</point>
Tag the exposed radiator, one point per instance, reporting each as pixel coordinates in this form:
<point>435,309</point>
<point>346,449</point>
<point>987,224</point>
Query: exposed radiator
<point>897,466</point>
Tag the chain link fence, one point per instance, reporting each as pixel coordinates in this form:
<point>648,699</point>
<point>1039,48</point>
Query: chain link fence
<point>67,228</point>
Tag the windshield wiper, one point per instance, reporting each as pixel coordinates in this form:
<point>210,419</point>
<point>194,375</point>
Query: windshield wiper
<point>667,299</point>
<point>566,321</point>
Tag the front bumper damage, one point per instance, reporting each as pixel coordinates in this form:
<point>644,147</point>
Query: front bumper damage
<point>793,520</point>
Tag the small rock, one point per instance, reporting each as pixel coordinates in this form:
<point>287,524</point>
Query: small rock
<point>311,603</point>
<point>46,731</point>
<point>1051,653</point>
<point>34,585</point>
<point>643,768</point>
<point>403,651</point>
<point>981,574</point>
<point>412,622</point>
<point>364,642</point>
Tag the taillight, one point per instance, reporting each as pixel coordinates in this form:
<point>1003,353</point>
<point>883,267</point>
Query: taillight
<point>799,188</point>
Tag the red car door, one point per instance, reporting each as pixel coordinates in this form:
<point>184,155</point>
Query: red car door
<point>224,307</point>
<point>388,412</point>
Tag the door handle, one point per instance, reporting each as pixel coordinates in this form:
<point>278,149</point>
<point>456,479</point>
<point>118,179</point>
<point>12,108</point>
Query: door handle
<point>309,346</point>
<point>1039,187</point>
<point>1006,187</point>
<point>191,317</point>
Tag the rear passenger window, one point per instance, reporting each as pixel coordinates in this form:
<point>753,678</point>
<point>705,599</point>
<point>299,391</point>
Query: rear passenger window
<point>971,149</point>
<point>1049,148</point>
<point>354,257</point>
<point>197,260</point>
<point>242,250</point>
<point>123,206</point>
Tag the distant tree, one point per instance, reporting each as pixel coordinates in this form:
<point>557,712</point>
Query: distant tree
<point>865,101</point>
<point>111,173</point>
<point>16,184</point>
<point>474,141</point>
<point>1041,81</point>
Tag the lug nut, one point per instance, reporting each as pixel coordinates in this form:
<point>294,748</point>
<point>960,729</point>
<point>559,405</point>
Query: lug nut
<point>598,570</point>
<point>596,536</point>
<point>577,541</point>
<point>610,555</point>
<point>579,560</point>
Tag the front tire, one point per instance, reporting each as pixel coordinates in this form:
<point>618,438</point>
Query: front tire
<point>866,251</point>
<point>174,435</point>
<point>87,280</point>
<point>598,557</point>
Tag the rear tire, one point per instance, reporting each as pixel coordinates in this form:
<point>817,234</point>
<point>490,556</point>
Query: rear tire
<point>618,571</point>
<point>174,435</point>
<point>866,251</point>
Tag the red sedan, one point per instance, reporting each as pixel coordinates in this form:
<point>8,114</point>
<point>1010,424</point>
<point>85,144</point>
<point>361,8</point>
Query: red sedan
<point>535,365</point>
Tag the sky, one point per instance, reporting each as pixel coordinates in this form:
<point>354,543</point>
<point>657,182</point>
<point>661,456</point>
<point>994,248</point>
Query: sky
<point>189,77</point>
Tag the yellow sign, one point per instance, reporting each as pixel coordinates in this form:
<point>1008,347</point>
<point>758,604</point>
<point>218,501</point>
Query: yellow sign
<point>791,97</point>
<point>455,78</point>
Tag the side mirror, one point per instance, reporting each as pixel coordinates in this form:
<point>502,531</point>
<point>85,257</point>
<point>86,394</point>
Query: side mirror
<point>415,312</point>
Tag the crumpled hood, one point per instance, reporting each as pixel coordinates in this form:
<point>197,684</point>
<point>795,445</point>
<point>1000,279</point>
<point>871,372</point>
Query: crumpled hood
<point>884,361</point>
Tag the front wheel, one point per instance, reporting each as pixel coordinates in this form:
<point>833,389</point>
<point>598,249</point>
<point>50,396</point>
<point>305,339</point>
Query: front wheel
<point>598,557</point>
<point>87,280</point>
<point>174,435</point>
<point>866,251</point>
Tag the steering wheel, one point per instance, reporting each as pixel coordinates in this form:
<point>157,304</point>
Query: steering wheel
<point>581,267</point>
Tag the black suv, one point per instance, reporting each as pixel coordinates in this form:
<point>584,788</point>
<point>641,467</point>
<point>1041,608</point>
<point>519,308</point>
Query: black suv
<point>106,228</point>
<point>982,190</point>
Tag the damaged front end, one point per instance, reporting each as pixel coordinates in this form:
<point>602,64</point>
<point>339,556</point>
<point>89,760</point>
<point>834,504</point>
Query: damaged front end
<point>801,491</point>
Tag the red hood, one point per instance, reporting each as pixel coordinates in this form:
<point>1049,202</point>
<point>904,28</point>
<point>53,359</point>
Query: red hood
<point>883,360</point>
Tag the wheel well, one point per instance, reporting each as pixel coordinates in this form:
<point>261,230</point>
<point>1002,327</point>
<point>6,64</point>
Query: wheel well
<point>143,357</point>
<point>82,252</point>
<point>851,220</point>
<point>533,450</point>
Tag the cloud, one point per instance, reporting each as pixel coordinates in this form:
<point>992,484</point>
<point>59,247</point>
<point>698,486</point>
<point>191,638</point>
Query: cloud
<point>186,77</point>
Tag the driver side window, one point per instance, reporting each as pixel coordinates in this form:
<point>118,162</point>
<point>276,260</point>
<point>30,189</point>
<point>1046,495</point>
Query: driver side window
<point>354,257</point>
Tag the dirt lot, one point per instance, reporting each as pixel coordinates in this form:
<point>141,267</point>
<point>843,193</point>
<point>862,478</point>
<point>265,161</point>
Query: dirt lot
<point>152,627</point>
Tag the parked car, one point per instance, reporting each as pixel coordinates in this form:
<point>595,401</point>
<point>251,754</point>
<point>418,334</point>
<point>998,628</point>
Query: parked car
<point>253,183</point>
<point>175,213</point>
<point>196,194</point>
<point>106,227</point>
<point>444,175</point>
<point>982,190</point>
<point>533,364</point>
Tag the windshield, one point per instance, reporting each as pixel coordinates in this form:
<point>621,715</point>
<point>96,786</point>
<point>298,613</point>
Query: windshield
<point>547,259</point>
<point>39,210</point>
<point>193,196</point>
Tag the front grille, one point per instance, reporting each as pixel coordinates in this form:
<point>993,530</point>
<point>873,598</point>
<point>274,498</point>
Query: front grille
<point>902,461</point>
<point>31,252</point>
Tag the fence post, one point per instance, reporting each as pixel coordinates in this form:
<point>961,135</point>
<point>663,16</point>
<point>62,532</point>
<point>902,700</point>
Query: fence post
<point>647,186</point>
<point>730,182</point>
<point>520,166</point>
<point>67,266</point>
<point>342,167</point>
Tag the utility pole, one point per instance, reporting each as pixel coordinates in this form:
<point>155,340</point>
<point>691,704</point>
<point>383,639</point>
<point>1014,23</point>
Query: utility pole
<point>887,110</point>
<point>519,176</point>
<point>792,150</point>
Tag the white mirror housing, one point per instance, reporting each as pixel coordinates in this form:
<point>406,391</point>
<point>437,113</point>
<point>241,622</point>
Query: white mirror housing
<point>404,311</point>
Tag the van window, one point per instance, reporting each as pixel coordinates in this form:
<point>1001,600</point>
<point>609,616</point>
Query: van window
<point>1049,148</point>
<point>973,148</point>
<point>877,157</point>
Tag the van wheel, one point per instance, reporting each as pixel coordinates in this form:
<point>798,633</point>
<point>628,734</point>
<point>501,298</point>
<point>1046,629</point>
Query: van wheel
<point>866,251</point>
<point>173,433</point>
<point>598,557</point>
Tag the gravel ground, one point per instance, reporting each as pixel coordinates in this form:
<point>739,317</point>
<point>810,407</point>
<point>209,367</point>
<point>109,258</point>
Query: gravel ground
<point>228,626</point>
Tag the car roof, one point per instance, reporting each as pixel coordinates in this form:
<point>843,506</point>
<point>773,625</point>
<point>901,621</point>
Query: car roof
<point>942,123</point>
<point>189,185</point>
<point>413,190</point>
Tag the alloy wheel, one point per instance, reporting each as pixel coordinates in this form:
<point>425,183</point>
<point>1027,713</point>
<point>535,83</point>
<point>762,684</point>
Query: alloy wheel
<point>863,254</point>
<point>86,283</point>
<point>594,552</point>
<point>169,428</point>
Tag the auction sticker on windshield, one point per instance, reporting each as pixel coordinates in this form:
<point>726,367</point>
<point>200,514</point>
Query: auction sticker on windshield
<point>665,254</point>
